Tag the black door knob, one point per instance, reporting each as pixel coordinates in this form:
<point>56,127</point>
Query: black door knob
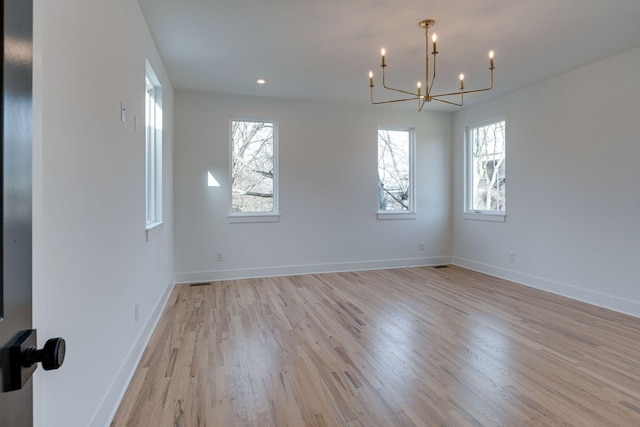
<point>51,355</point>
<point>24,357</point>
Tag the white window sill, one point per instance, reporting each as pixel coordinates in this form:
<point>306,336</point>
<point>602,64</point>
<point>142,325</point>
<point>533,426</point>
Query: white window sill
<point>396,215</point>
<point>153,229</point>
<point>246,218</point>
<point>486,216</point>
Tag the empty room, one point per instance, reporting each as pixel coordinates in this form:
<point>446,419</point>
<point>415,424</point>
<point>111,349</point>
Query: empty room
<point>330,213</point>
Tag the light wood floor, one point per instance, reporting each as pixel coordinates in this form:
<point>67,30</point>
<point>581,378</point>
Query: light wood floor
<point>407,347</point>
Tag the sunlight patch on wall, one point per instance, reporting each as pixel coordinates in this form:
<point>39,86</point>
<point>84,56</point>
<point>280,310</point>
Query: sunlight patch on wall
<point>211,181</point>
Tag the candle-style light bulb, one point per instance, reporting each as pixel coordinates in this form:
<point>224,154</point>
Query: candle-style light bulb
<point>461,81</point>
<point>370,78</point>
<point>434,37</point>
<point>491,59</point>
<point>419,90</point>
<point>383,52</point>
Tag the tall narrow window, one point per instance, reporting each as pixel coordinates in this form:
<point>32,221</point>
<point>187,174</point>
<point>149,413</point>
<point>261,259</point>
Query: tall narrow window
<point>153,149</point>
<point>486,169</point>
<point>254,173</point>
<point>395,170</point>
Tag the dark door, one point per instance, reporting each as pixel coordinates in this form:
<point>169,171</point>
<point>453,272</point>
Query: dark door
<point>15,281</point>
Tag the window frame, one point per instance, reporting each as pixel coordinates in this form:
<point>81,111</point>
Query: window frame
<point>249,217</point>
<point>153,152</point>
<point>410,213</point>
<point>469,211</point>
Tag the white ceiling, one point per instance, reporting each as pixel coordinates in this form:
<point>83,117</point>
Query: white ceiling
<point>323,49</point>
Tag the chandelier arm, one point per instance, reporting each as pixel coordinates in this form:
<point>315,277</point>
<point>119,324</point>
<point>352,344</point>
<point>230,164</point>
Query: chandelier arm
<point>384,84</point>
<point>449,102</point>
<point>466,91</point>
<point>478,90</point>
<point>391,101</point>
<point>460,92</point>
<point>415,95</point>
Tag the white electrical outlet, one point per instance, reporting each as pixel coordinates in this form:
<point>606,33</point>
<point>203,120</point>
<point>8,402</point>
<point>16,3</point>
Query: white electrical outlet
<point>512,256</point>
<point>219,257</point>
<point>422,246</point>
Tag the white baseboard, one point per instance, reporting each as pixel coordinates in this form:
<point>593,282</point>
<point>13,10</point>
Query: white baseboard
<point>109,405</point>
<point>599,299</point>
<point>292,270</point>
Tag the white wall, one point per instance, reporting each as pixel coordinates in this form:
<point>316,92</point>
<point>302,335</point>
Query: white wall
<point>573,201</point>
<point>573,197</point>
<point>92,262</point>
<point>328,190</point>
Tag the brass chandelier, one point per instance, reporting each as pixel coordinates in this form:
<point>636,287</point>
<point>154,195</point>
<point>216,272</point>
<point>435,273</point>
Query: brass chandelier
<point>427,96</point>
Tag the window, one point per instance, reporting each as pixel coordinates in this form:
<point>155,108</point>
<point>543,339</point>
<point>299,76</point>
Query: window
<point>254,172</point>
<point>153,149</point>
<point>395,172</point>
<point>485,171</point>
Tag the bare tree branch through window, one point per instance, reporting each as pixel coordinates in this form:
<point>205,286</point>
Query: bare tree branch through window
<point>489,167</point>
<point>394,170</point>
<point>252,166</point>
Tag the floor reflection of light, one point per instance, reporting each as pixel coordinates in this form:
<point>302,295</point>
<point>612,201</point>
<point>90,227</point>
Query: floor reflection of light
<point>467,359</point>
<point>394,345</point>
<point>486,338</point>
<point>483,366</point>
<point>256,370</point>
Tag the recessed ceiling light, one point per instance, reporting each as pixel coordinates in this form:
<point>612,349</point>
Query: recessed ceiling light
<point>261,81</point>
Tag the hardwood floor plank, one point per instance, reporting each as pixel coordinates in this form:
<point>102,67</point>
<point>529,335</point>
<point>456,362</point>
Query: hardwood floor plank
<point>404,347</point>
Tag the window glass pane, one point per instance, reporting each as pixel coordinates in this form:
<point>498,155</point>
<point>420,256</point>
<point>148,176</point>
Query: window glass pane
<point>252,166</point>
<point>153,148</point>
<point>394,170</point>
<point>150,129</point>
<point>488,178</point>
